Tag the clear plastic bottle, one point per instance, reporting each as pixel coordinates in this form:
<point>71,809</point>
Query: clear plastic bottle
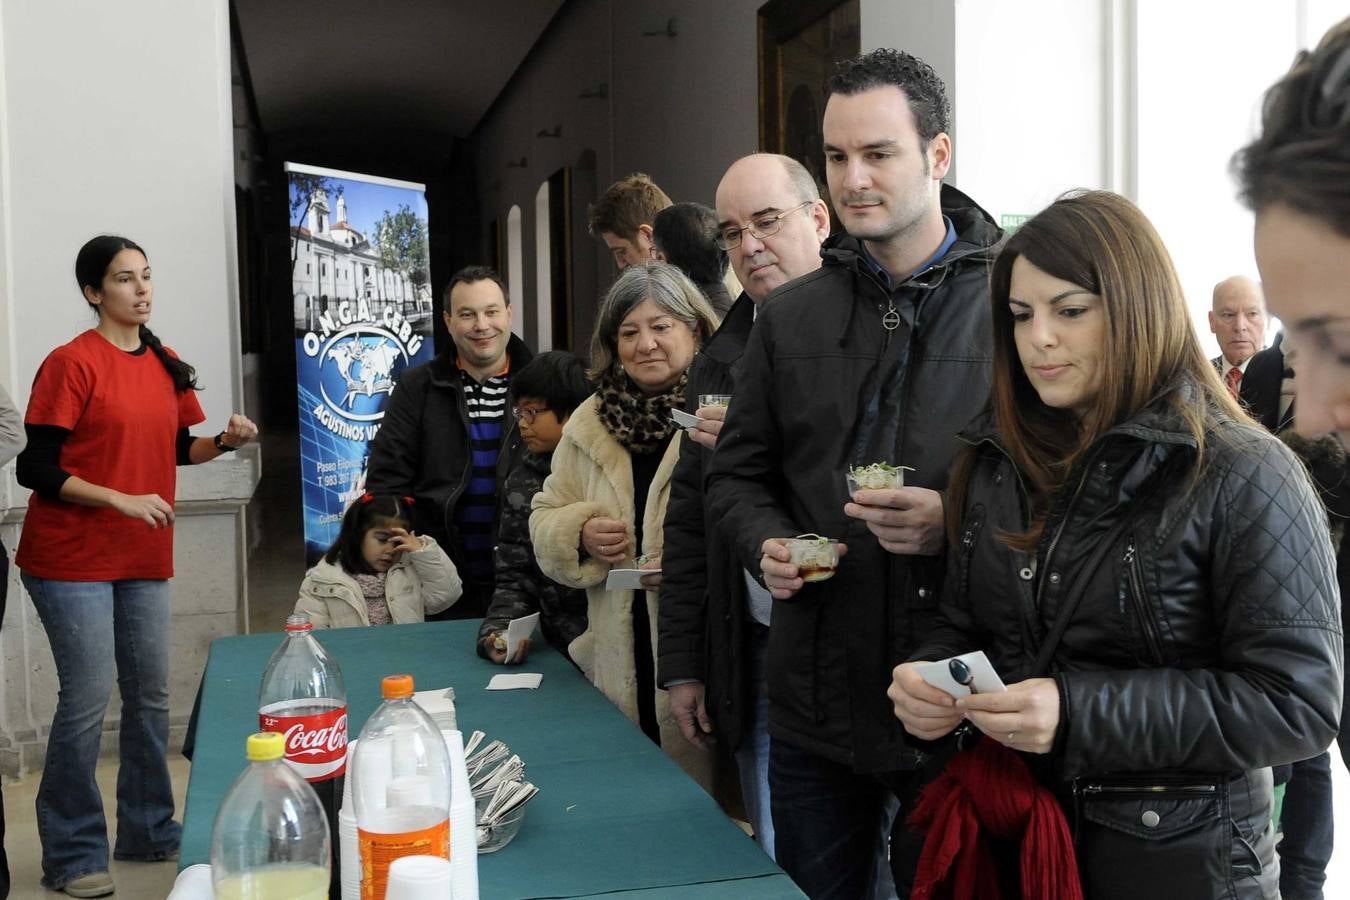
<point>303,697</point>
<point>270,840</point>
<point>400,786</point>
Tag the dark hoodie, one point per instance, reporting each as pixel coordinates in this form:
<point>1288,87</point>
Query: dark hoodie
<point>422,448</point>
<point>823,386</point>
<point>522,589</point>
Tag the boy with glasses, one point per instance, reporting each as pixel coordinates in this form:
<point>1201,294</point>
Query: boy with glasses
<point>544,394</point>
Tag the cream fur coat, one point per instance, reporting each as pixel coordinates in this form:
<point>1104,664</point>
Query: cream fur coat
<point>421,582</point>
<point>592,475</point>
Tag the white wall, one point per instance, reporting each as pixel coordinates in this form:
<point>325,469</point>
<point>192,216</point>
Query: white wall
<point>1150,98</point>
<point>1029,109</point>
<point>1199,102</point>
<point>117,118</point>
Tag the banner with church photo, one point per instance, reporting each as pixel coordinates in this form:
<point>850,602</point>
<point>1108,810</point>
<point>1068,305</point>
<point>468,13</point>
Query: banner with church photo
<point>363,313</point>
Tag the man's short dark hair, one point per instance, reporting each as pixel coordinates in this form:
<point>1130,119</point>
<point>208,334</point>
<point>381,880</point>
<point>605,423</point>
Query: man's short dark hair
<point>922,87</point>
<point>686,234</point>
<point>470,274</point>
<point>556,377</point>
<point>625,205</point>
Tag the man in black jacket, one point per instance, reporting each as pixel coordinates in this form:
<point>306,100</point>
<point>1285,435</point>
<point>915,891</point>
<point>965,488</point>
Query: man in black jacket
<point>882,355</point>
<point>448,437</point>
<point>714,620</point>
<point>1306,820</point>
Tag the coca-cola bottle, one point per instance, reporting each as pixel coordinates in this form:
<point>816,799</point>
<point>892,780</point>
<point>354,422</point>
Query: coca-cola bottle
<point>303,697</point>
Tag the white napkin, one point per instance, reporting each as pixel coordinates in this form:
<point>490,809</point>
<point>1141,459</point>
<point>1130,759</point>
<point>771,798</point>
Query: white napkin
<point>627,579</point>
<point>519,630</point>
<point>514,682</point>
<point>439,703</point>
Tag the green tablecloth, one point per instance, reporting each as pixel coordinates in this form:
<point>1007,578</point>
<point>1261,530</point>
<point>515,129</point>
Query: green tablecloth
<point>613,813</point>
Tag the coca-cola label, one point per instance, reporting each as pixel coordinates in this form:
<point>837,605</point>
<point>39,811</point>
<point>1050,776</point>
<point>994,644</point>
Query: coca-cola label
<point>316,744</point>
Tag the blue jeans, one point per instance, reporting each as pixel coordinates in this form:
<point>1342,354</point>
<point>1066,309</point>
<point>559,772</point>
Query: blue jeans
<point>752,758</point>
<point>832,826</point>
<point>91,625</point>
<point>1306,820</point>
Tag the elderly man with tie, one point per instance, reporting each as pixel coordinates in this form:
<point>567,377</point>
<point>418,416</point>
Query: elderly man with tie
<point>1238,319</point>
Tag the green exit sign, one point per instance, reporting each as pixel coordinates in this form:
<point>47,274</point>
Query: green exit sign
<point>1010,222</point>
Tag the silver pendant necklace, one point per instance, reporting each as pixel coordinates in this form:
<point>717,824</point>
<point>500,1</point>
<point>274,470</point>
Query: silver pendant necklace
<point>891,320</point>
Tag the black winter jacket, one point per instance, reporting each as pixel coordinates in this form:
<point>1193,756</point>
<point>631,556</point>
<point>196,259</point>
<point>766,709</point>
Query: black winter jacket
<point>823,385</point>
<point>1205,646</point>
<point>703,596</point>
<point>422,447</point>
<point>522,589</point>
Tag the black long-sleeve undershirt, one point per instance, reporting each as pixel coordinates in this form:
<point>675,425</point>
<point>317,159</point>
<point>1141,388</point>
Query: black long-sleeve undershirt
<point>39,465</point>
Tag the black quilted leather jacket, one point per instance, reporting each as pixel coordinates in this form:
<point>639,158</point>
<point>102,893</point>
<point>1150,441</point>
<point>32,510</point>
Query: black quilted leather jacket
<point>1206,645</point>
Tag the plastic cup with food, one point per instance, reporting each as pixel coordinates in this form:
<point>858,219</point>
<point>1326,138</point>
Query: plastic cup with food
<point>722,400</point>
<point>876,477</point>
<point>815,557</point>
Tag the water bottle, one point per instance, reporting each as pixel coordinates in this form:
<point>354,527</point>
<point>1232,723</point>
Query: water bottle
<point>400,786</point>
<point>303,698</point>
<point>270,840</point>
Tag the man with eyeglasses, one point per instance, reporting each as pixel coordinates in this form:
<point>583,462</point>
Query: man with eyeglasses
<point>881,356</point>
<point>771,222</point>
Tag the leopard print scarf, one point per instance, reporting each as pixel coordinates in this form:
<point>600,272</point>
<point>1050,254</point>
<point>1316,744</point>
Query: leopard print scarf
<point>639,422</point>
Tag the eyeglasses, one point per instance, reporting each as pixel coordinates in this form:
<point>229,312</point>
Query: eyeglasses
<point>527,414</point>
<point>759,228</point>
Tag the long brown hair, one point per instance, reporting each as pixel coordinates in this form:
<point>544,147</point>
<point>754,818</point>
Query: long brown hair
<point>1103,243</point>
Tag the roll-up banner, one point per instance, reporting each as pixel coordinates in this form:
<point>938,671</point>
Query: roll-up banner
<point>363,307</point>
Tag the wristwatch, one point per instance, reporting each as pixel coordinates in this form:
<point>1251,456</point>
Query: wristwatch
<point>221,445</point>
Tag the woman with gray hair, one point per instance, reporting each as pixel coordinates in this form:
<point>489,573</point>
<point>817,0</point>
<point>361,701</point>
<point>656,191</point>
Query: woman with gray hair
<point>604,502</point>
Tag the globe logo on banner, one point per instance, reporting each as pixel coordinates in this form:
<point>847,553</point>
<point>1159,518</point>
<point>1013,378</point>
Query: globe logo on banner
<point>357,368</point>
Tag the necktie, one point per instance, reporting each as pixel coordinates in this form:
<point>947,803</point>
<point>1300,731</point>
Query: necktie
<point>1233,379</point>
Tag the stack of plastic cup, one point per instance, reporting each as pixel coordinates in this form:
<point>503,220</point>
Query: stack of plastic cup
<point>463,821</point>
<point>419,878</point>
<point>350,872</point>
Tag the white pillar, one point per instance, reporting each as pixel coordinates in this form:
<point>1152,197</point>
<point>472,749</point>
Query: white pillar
<point>117,118</point>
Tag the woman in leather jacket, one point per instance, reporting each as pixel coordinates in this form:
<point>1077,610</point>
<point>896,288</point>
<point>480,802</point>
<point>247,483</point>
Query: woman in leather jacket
<point>1117,513</point>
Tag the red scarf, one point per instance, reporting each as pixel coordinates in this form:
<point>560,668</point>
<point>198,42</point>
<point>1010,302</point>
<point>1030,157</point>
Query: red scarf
<point>988,789</point>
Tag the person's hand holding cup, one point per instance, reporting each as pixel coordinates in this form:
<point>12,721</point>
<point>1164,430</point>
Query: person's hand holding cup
<point>712,413</point>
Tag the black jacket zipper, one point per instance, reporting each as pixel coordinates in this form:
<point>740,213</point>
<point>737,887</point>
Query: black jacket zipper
<point>1146,789</point>
<point>1142,609</point>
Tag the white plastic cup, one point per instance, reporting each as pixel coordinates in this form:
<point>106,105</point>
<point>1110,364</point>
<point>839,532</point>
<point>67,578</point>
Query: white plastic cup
<point>463,820</point>
<point>347,782</point>
<point>351,854</point>
<point>419,878</point>
<point>815,557</point>
<point>408,790</point>
<point>193,883</point>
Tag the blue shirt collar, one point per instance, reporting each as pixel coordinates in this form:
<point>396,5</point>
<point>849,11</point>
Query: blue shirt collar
<point>947,241</point>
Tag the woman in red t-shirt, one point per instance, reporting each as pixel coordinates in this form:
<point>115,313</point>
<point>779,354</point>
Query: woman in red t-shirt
<point>107,423</point>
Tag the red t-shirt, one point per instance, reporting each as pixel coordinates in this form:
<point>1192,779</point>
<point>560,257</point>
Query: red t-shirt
<point>123,415</point>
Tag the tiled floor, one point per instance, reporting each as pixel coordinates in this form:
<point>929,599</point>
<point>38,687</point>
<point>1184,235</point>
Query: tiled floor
<point>134,881</point>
